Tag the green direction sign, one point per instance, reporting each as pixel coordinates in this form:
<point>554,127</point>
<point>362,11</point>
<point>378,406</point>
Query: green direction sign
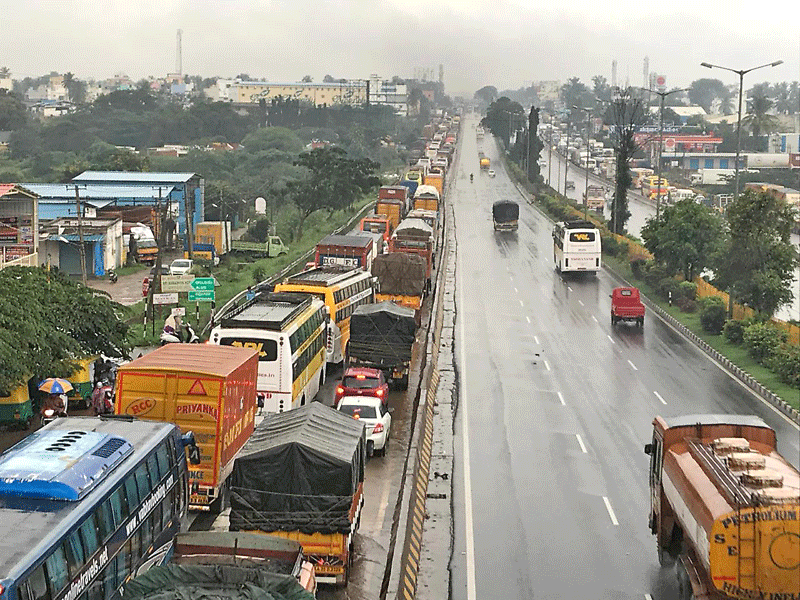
<point>204,284</point>
<point>201,295</point>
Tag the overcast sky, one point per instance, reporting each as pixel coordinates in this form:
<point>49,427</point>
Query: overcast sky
<point>505,43</point>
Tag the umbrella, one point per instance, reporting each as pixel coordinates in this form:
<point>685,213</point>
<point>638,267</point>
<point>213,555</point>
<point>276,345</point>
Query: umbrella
<point>55,385</point>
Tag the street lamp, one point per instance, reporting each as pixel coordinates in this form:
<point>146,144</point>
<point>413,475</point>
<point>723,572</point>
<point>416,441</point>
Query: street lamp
<point>566,155</point>
<point>661,141</point>
<point>741,73</point>
<point>588,112</point>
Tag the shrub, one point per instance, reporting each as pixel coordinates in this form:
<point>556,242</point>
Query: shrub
<point>667,285</point>
<point>687,305</point>
<point>688,289</point>
<point>734,330</point>
<point>259,274</point>
<point>613,247</point>
<point>654,273</point>
<point>712,314</point>
<point>762,340</point>
<point>785,362</point>
<point>637,266</point>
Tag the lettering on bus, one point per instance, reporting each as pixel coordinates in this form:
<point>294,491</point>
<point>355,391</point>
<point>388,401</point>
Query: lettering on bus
<point>581,236</point>
<point>197,408</point>
<point>259,346</point>
<point>156,496</point>
<point>91,571</point>
<point>140,406</point>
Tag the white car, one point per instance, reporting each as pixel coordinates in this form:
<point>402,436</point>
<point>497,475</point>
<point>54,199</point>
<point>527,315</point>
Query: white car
<point>492,173</point>
<point>180,266</point>
<point>376,418</point>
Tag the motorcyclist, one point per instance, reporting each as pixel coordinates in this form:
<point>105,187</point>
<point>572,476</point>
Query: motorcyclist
<point>172,325</point>
<point>57,403</point>
<point>101,399</point>
<point>470,177</point>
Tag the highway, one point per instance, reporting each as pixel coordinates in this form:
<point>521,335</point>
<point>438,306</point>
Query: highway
<point>551,493</point>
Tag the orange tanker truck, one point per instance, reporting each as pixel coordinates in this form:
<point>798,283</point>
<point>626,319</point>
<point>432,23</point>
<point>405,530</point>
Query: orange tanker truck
<point>726,507</point>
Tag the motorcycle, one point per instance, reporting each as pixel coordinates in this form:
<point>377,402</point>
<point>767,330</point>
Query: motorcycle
<point>103,399</point>
<point>470,177</point>
<point>170,336</point>
<point>52,409</point>
<point>112,276</point>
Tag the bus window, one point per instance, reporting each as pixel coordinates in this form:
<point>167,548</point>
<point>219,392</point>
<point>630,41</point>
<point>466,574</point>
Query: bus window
<point>158,518</point>
<point>105,520</point>
<point>168,502</point>
<point>152,468</point>
<point>147,534</point>
<point>110,578</point>
<point>142,482</point>
<point>119,506</point>
<point>37,585</point>
<point>162,457</point>
<point>131,492</point>
<point>89,537</point>
<point>96,590</point>
<point>75,554</point>
<point>57,570</point>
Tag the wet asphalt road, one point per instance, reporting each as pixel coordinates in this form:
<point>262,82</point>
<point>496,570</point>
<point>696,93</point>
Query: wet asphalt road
<point>559,406</point>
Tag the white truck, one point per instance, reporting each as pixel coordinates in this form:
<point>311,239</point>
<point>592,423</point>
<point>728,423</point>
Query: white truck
<point>712,176</point>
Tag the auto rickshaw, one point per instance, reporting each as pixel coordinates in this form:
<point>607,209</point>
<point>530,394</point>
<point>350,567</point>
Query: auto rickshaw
<point>82,382</point>
<point>16,409</point>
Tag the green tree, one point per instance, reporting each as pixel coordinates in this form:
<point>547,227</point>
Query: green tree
<point>757,259</point>
<point>683,238</point>
<point>486,94</point>
<point>49,321</point>
<point>601,89</point>
<point>272,138</point>
<point>759,121</point>
<point>13,115</point>
<point>575,93</point>
<point>503,117</point>
<point>626,115</point>
<point>703,92</point>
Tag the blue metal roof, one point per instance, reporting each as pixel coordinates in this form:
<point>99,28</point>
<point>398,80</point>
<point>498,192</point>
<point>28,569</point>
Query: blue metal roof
<point>74,237</point>
<point>95,191</point>
<point>133,177</point>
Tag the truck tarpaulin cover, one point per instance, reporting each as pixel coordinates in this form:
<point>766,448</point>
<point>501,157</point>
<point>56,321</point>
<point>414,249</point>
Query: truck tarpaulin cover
<point>414,228</point>
<point>400,273</point>
<point>213,582</point>
<point>382,333</point>
<point>504,211</point>
<point>299,471</point>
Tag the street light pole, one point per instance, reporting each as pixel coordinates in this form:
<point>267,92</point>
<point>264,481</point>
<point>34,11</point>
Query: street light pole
<point>741,73</point>
<point>588,112</point>
<point>566,157</point>
<point>82,246</point>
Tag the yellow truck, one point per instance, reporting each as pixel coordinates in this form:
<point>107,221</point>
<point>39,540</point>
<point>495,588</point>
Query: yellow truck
<point>393,208</point>
<point>485,163</point>
<point>427,198</point>
<point>209,390</point>
<point>214,233</point>
<point>435,178</point>
<point>289,481</point>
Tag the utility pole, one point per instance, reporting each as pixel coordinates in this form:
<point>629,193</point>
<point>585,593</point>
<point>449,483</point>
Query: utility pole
<point>155,283</point>
<point>566,156</point>
<point>549,154</point>
<point>82,248</point>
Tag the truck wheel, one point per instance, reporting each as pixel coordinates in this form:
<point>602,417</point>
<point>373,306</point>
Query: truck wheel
<point>613,320</point>
<point>382,451</point>
<point>640,322</point>
<point>221,501</point>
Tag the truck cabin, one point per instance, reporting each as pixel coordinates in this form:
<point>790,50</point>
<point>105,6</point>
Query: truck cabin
<point>377,224</point>
<point>431,217</point>
<point>625,296</point>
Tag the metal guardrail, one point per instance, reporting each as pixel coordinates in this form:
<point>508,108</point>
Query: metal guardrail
<point>288,269</point>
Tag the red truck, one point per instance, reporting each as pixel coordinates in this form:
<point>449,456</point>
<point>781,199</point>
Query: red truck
<point>626,306</point>
<point>395,192</point>
<point>414,236</point>
<point>346,251</point>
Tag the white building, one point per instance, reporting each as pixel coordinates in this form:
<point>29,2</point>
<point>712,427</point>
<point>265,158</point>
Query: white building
<point>390,94</point>
<point>6,84</point>
<point>221,91</point>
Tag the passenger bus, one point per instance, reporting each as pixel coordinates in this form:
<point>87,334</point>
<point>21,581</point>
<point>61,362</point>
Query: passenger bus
<point>289,332</point>
<point>87,503</point>
<point>341,290</point>
<point>576,246</point>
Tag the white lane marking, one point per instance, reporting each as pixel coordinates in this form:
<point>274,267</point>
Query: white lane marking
<point>470,530</point>
<point>561,397</point>
<point>648,597</point>
<point>516,290</point>
<point>546,365</point>
<point>581,444</point>
<point>569,288</point>
<point>610,511</point>
<point>610,339</point>
<point>528,318</point>
<point>660,398</point>
<point>580,302</point>
<point>633,366</point>
<point>520,303</point>
<point>536,340</point>
<point>595,319</point>
<point>511,277</point>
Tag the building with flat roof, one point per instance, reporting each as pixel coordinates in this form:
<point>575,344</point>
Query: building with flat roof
<point>350,92</point>
<point>102,241</point>
<point>19,223</point>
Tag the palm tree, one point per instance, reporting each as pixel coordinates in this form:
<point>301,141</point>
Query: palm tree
<point>759,121</point>
<point>5,72</point>
<point>782,102</point>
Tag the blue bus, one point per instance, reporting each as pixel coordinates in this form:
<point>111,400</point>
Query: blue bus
<point>86,503</point>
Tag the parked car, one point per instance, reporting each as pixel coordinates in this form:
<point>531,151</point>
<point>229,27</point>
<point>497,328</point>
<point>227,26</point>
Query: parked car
<point>362,381</point>
<point>570,184</point>
<point>376,418</point>
<point>149,277</point>
<point>180,266</point>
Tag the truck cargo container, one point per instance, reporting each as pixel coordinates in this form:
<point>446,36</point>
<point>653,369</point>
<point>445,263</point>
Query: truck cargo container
<point>234,566</point>
<point>414,236</point>
<point>394,208</point>
<point>725,506</point>
<point>216,233</point>
<point>209,390</point>
<point>427,197</point>
<point>301,477</point>
<point>712,176</point>
<point>766,160</point>
<point>505,215</point>
<point>401,279</point>
<point>346,251</point>
<point>435,179</point>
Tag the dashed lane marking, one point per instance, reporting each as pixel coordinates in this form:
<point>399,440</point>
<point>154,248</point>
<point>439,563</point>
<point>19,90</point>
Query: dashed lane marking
<point>528,318</point>
<point>581,444</point>
<point>660,398</point>
<point>595,319</point>
<point>561,398</point>
<point>536,340</point>
<point>610,339</point>
<point>547,365</point>
<point>633,366</point>
<point>580,302</point>
<point>610,511</point>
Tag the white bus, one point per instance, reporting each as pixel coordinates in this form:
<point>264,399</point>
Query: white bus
<point>576,246</point>
<point>289,332</point>
<point>342,290</point>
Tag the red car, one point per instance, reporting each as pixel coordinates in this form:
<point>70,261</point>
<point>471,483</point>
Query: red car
<point>626,306</point>
<point>362,381</point>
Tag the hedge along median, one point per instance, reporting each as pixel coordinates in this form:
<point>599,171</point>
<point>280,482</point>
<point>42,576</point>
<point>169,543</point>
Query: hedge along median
<point>769,353</point>
<point>234,276</point>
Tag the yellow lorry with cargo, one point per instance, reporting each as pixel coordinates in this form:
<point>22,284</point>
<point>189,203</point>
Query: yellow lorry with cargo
<point>209,390</point>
